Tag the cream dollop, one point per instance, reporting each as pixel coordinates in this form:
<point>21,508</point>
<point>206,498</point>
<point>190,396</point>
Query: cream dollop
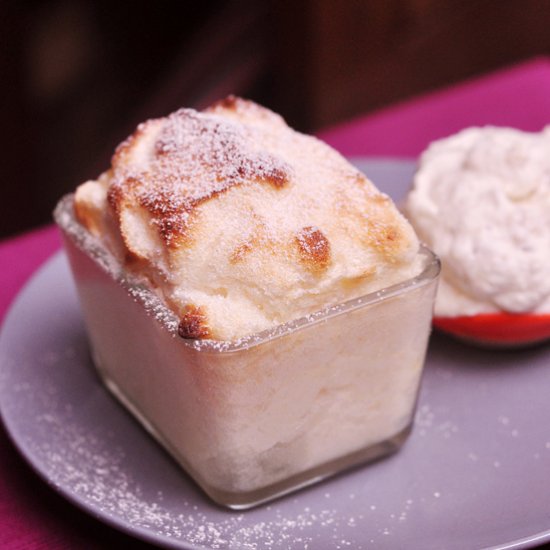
<point>481,201</point>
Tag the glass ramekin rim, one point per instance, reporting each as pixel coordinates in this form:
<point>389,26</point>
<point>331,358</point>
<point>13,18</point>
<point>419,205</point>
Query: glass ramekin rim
<point>154,305</point>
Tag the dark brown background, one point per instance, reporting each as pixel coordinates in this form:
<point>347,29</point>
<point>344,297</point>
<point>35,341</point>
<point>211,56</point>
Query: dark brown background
<point>78,75</point>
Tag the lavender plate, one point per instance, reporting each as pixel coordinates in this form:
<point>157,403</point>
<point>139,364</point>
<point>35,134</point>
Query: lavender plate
<point>474,473</point>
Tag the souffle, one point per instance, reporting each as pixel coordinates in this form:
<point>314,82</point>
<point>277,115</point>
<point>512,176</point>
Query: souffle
<point>258,305</point>
<point>241,223</point>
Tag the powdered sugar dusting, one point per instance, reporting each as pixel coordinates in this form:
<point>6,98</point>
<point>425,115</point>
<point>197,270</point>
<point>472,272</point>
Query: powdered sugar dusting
<point>231,211</point>
<point>93,466</point>
<point>194,157</point>
<point>87,460</point>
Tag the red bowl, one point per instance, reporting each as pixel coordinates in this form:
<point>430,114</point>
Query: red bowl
<point>498,329</point>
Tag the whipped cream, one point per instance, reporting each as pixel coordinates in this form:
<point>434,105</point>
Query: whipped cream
<point>481,201</point>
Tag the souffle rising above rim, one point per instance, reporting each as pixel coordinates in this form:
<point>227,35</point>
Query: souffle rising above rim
<point>241,223</point>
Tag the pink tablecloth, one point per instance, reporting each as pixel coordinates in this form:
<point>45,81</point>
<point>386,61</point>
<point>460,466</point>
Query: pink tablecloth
<point>517,97</point>
<point>31,515</point>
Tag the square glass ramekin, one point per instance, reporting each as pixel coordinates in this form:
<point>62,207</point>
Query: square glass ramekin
<point>253,419</point>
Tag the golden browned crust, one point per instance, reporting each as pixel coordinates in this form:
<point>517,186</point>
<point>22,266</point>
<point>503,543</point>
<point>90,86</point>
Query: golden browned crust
<point>314,248</point>
<point>194,158</point>
<point>229,103</point>
<point>385,238</point>
<point>86,217</point>
<point>244,109</point>
<point>193,324</point>
<point>241,251</point>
